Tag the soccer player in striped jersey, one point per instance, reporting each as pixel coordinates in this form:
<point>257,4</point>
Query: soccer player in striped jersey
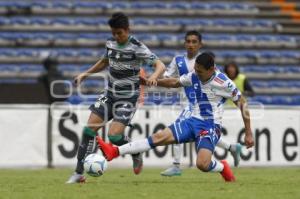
<point>211,89</point>
<point>180,65</point>
<point>124,55</point>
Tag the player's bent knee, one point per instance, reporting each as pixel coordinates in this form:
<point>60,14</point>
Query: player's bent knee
<point>202,165</point>
<point>163,137</point>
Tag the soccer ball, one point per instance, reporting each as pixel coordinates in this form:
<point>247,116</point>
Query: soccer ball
<point>95,165</point>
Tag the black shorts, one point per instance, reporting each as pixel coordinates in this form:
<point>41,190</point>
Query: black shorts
<point>108,107</point>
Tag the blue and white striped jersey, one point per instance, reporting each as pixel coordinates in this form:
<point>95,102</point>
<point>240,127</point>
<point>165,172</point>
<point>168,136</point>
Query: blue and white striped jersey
<point>210,96</point>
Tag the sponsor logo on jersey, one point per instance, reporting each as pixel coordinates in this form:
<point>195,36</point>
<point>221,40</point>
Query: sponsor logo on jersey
<point>218,80</point>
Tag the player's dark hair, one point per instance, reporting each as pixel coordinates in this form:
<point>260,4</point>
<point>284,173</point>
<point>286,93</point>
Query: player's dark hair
<point>193,32</point>
<point>118,20</point>
<point>206,60</point>
<point>233,64</point>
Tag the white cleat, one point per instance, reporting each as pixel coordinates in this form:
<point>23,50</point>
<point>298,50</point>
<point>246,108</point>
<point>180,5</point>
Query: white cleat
<point>172,171</point>
<point>76,178</point>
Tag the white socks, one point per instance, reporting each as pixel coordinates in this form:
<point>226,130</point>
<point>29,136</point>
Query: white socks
<point>177,153</point>
<point>135,147</point>
<point>216,166</point>
<point>223,144</point>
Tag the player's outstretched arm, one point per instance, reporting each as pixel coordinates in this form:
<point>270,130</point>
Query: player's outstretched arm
<point>242,104</point>
<point>99,66</point>
<point>159,70</point>
<point>169,83</point>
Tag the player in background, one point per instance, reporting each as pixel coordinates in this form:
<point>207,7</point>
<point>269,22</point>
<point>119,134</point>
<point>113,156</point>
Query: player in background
<point>211,88</point>
<point>180,65</point>
<point>124,55</point>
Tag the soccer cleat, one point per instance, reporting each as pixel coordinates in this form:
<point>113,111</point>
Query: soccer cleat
<point>109,151</point>
<point>227,174</point>
<point>235,151</point>
<point>76,178</point>
<point>172,171</point>
<point>137,163</point>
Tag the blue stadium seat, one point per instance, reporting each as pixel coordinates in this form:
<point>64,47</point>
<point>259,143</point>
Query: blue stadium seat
<point>39,21</point>
<point>31,68</point>
<point>93,84</point>
<point>290,54</point>
<point>292,69</point>
<point>264,38</point>
<point>26,53</point>
<point>218,6</point>
<point>284,38</point>
<point>278,84</point>
<point>91,4</point>
<point>97,36</point>
<point>179,5</point>
<point>162,22</point>
<point>119,5</point>
<point>61,4</point>
<point>18,4</point>
<point>7,53</point>
<point>260,84</point>
<point>18,81</point>
<point>280,100</point>
<point>141,21</point>
<point>4,21</point>
<point>269,54</point>
<point>20,21</point>
<point>255,69</point>
<point>241,6</point>
<point>148,5</point>
<point>295,100</point>
<point>199,5</point>
<point>249,38</point>
<point>65,36</point>
<point>9,68</point>
<point>62,21</point>
<point>67,68</point>
<point>40,4</point>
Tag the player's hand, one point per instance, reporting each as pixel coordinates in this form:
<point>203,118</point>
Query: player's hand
<point>249,142</point>
<point>79,79</point>
<point>152,81</point>
<point>143,81</point>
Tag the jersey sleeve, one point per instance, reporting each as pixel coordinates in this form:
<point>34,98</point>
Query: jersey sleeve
<point>172,70</point>
<point>143,53</point>
<point>186,80</point>
<point>229,90</point>
<point>105,55</point>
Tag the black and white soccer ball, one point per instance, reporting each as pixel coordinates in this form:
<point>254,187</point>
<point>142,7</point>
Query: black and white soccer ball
<point>95,165</point>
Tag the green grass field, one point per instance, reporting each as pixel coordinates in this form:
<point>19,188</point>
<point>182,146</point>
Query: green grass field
<point>252,183</point>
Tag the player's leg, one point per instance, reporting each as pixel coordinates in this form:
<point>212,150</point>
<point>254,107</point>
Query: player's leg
<point>178,132</point>
<point>234,148</point>
<point>86,147</point>
<point>205,162</point>
<point>174,170</point>
<point>116,136</point>
<point>101,112</point>
<point>123,113</point>
<point>160,138</point>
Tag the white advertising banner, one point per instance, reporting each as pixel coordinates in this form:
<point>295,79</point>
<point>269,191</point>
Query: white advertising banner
<point>276,133</point>
<point>23,137</point>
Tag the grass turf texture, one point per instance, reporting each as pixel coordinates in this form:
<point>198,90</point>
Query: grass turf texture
<point>254,183</point>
